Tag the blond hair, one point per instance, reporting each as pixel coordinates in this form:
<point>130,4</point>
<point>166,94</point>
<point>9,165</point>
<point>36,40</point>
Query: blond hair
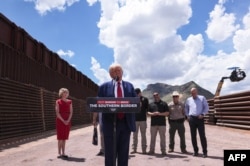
<point>62,90</point>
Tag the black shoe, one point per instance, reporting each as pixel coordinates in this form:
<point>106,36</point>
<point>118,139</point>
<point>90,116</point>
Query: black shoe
<point>170,150</point>
<point>65,156</point>
<point>100,153</point>
<point>195,154</point>
<point>204,155</point>
<point>184,151</point>
<point>151,153</point>
<point>133,152</point>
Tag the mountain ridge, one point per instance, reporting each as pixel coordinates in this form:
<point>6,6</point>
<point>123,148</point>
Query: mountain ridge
<point>165,91</point>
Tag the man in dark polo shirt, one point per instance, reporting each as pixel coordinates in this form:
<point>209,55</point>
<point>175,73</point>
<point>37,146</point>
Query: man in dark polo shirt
<point>158,110</point>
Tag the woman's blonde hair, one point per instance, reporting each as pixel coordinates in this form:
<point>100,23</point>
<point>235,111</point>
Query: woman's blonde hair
<point>62,90</point>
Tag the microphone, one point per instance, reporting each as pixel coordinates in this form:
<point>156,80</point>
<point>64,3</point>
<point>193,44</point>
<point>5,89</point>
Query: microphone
<point>116,78</point>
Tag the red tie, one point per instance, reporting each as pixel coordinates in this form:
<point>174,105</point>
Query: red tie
<point>120,115</point>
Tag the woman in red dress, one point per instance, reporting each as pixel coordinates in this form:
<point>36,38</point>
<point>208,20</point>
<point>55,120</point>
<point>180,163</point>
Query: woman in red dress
<point>64,111</point>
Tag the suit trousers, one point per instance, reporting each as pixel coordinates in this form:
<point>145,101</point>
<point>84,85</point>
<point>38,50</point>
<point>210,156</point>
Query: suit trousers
<point>195,124</point>
<point>122,142</point>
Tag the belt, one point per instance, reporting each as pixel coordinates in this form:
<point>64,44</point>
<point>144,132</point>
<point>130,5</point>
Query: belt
<point>194,116</point>
<point>177,120</point>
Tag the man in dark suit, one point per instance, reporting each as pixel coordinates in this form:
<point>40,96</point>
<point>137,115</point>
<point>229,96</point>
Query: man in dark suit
<point>125,122</point>
<point>97,117</point>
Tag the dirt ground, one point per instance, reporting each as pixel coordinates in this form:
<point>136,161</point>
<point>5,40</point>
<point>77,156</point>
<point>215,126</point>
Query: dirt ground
<point>43,151</point>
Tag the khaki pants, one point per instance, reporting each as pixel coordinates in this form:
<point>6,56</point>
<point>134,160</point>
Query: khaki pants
<point>101,139</point>
<point>162,132</point>
<point>142,126</point>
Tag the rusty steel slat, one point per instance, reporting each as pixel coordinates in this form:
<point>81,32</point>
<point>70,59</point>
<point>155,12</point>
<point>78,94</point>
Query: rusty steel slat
<point>19,107</point>
<point>211,106</point>
<point>18,133</point>
<point>17,98</point>
<point>9,126</point>
<point>16,121</point>
<point>14,108</point>
<point>20,99</point>
<point>246,127</point>
<point>210,100</point>
<point>229,100</point>
<point>14,134</point>
<point>26,126</point>
<point>28,103</point>
<point>233,108</point>
<point>50,99</point>
<point>210,112</point>
<point>210,123</point>
<point>242,103</point>
<point>9,85</point>
<point>234,95</point>
<point>1,58</point>
<point>23,112</point>
<point>233,121</point>
<point>20,114</point>
<point>6,30</point>
<point>233,117</point>
<point>233,113</point>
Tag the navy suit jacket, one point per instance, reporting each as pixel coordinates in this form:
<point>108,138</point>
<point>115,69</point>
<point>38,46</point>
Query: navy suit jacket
<point>107,90</point>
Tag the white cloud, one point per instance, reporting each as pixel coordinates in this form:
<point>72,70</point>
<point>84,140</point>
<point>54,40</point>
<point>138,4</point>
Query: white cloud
<point>67,53</point>
<point>246,20</point>
<point>221,25</point>
<point>143,35</point>
<point>44,6</point>
<point>242,37</point>
<point>241,40</point>
<point>101,74</point>
<point>137,18</point>
<point>73,65</point>
<point>91,2</point>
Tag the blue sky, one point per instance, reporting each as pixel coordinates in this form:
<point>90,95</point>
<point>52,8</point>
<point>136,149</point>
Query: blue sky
<point>167,41</point>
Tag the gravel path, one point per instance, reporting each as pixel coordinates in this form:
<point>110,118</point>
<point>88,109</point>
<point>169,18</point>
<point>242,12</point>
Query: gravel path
<point>43,151</point>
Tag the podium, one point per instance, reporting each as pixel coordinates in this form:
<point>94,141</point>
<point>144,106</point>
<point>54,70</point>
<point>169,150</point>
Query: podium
<point>114,105</point>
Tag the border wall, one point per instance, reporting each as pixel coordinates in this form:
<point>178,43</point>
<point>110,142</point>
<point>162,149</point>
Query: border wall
<point>30,77</point>
<point>24,59</point>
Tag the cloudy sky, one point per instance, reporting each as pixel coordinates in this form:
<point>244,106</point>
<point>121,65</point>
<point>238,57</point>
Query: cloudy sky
<point>166,41</point>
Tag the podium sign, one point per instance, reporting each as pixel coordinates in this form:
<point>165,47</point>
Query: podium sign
<point>113,105</point>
